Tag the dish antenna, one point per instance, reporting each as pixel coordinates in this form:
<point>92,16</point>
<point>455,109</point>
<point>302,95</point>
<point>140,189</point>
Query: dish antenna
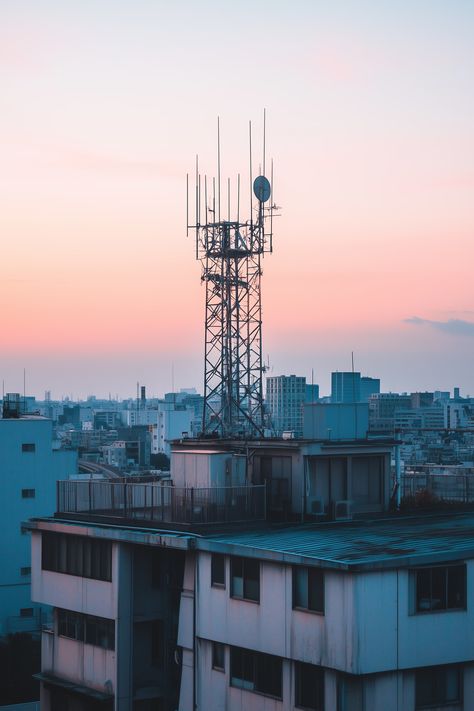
<point>261,188</point>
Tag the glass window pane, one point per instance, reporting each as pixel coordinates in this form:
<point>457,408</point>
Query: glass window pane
<point>316,590</point>
<point>423,590</point>
<point>300,587</point>
<point>438,589</point>
<point>457,586</point>
<point>237,577</point>
<point>252,580</point>
<point>217,569</point>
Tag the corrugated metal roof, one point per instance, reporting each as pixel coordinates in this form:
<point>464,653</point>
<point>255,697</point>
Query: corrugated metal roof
<point>357,545</point>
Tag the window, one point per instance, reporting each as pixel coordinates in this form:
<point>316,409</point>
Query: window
<point>245,579</point>
<point>309,687</point>
<point>256,671</point>
<point>26,570</point>
<point>440,588</point>
<point>308,589</point>
<point>97,631</point>
<point>218,656</point>
<point>26,612</point>
<point>435,686</point>
<point>28,493</point>
<point>218,570</point>
<point>28,447</point>
<point>77,555</point>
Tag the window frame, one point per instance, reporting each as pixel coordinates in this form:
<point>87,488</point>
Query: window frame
<point>245,564</point>
<point>218,649</point>
<point>28,447</point>
<point>434,681</point>
<point>82,556</point>
<point>443,607</point>
<point>302,668</point>
<point>315,575</point>
<point>253,667</point>
<point>218,558</point>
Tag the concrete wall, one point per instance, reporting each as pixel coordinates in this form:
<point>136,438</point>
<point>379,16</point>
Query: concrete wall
<point>367,627</point>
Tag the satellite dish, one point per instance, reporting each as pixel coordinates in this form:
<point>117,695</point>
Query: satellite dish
<point>261,188</point>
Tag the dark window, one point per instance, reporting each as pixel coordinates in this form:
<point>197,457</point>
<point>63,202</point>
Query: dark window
<point>26,612</point>
<point>256,671</point>
<point>308,589</point>
<point>28,447</point>
<point>245,579</point>
<point>218,656</point>
<point>218,570</point>
<point>97,631</point>
<point>440,588</point>
<point>157,641</point>
<point>309,686</point>
<point>28,493</point>
<point>26,570</point>
<point>436,686</point>
<point>77,555</point>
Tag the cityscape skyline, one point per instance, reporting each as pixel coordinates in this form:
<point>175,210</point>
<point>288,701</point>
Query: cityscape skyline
<point>370,127</point>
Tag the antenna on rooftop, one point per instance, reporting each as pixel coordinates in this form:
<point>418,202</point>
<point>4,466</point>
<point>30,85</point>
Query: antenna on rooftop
<point>230,252</point>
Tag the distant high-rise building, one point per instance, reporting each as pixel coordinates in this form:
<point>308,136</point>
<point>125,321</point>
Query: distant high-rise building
<point>345,386</point>
<point>312,392</point>
<point>368,387</point>
<point>284,399</point>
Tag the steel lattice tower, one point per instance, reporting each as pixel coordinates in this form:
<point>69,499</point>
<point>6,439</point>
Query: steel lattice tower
<point>231,252</point>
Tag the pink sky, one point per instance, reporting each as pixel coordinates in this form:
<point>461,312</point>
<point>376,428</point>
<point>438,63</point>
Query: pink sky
<point>369,117</point>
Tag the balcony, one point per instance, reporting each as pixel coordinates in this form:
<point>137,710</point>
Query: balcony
<point>158,505</point>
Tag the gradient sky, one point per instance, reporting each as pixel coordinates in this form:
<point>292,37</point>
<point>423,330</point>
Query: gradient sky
<point>370,115</point>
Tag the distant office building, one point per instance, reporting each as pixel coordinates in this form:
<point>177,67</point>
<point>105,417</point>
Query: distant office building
<point>382,408</point>
<point>368,387</point>
<point>345,386</point>
<point>29,470</point>
<point>284,399</point>
<point>422,399</point>
<point>312,392</point>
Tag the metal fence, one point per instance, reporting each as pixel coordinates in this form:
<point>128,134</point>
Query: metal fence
<point>452,488</point>
<point>155,502</point>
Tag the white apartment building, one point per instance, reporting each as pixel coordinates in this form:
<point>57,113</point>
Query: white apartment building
<point>29,470</point>
<point>188,597</point>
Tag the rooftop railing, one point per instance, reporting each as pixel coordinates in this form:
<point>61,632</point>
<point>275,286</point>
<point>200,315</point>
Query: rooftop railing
<point>155,503</point>
<point>449,488</point>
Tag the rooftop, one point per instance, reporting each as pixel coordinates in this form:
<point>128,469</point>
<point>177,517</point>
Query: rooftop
<point>359,545</point>
<point>365,545</point>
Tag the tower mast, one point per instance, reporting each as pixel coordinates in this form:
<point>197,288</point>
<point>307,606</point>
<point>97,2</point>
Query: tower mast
<point>230,252</point>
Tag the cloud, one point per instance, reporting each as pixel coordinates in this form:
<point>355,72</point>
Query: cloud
<point>453,326</point>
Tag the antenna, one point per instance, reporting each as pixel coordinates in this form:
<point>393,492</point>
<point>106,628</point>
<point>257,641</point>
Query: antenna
<point>264,121</point>
<point>219,168</point>
<point>230,253</point>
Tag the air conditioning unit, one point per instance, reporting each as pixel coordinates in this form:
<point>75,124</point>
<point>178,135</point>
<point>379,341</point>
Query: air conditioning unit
<point>343,510</point>
<point>317,507</point>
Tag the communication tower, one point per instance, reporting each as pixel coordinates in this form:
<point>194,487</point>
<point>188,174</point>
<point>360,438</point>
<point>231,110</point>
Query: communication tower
<point>231,250</point>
